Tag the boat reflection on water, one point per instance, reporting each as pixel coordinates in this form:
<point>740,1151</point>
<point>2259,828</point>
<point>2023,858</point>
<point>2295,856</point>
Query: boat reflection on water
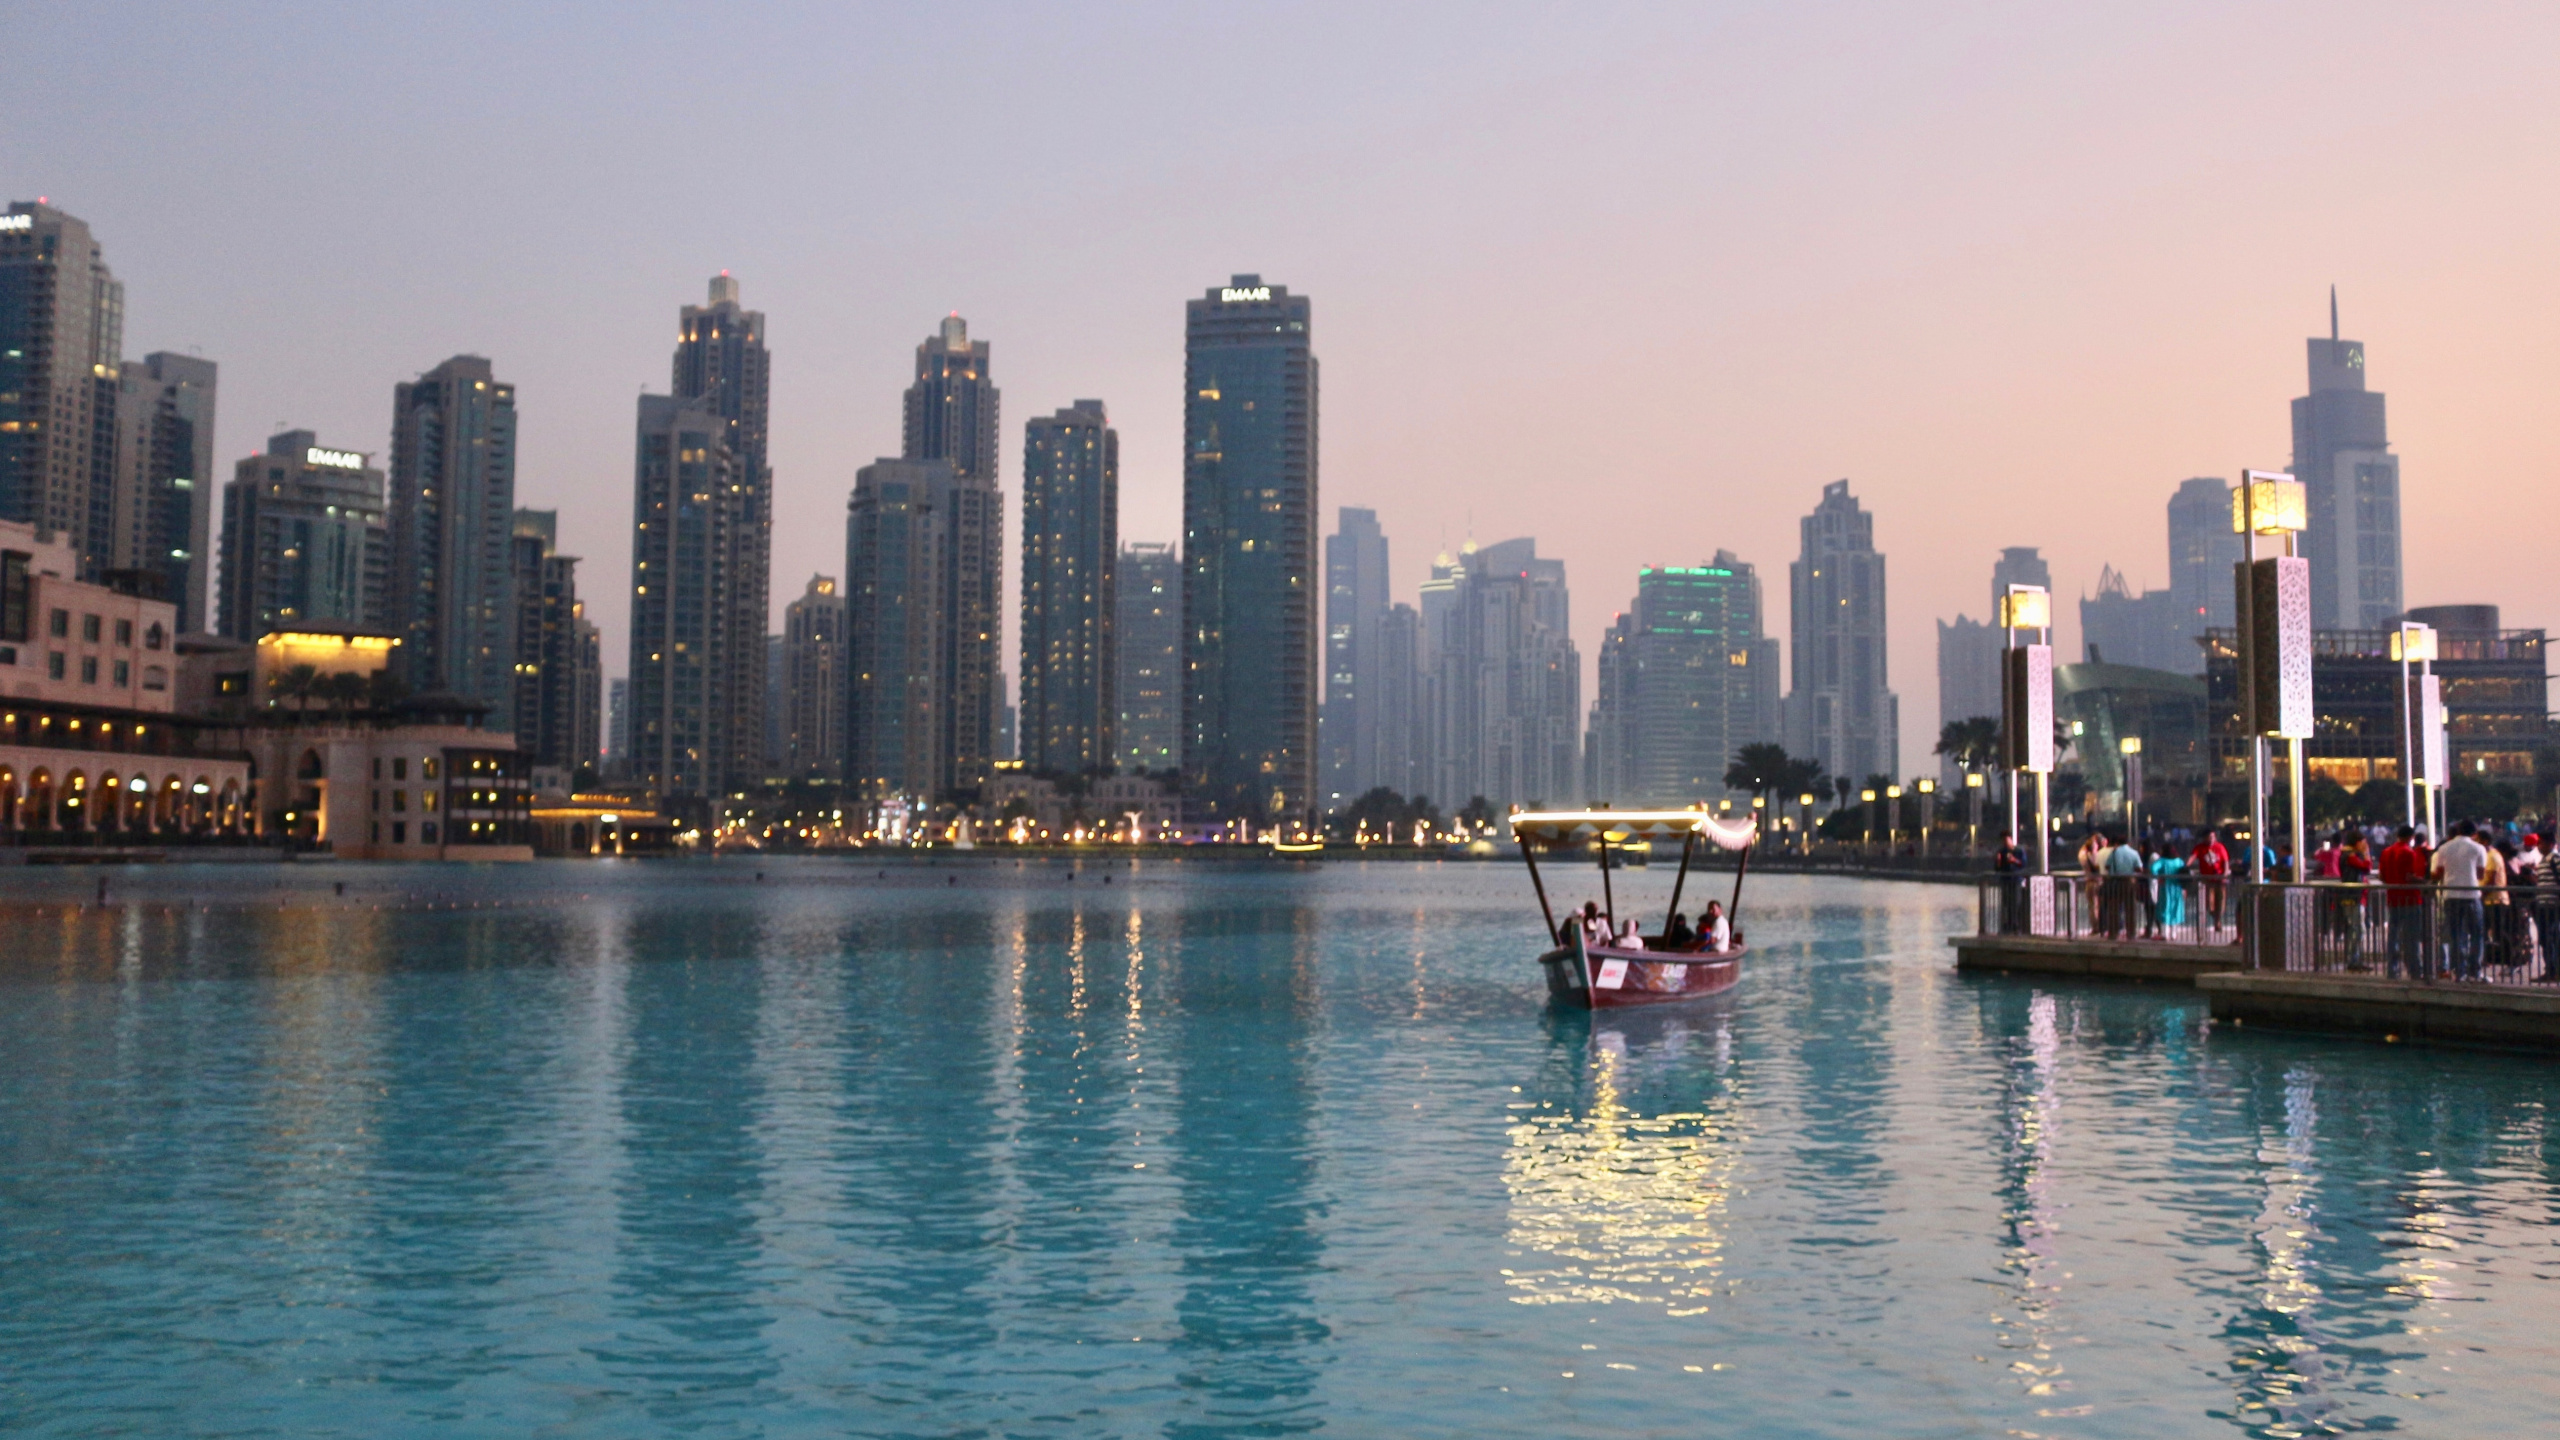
<point>1623,1159</point>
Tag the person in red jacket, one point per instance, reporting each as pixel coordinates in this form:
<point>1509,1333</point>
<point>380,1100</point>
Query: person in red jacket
<point>2404,869</point>
<point>2211,865</point>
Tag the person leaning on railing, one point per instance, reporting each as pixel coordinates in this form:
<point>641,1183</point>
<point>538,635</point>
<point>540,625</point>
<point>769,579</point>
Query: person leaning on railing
<point>2459,864</point>
<point>2010,864</point>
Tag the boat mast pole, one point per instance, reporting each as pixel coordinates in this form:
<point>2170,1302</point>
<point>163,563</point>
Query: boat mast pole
<point>1688,843</point>
<point>1742,867</point>
<point>1608,902</point>
<point>1529,852</point>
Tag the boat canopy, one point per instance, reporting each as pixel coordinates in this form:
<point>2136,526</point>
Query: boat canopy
<point>1558,829</point>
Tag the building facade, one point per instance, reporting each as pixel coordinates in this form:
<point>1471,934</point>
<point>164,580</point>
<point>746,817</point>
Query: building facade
<point>1502,681</point>
<point>305,540</point>
<point>923,548</point>
<point>951,408</point>
<point>2119,627</point>
<point>1840,708</point>
<point>1687,678</point>
<point>163,497</point>
<point>61,349</point>
<point>1147,632</point>
<point>681,742</point>
<point>549,700</point>
<point>1250,648</point>
<point>1068,706</point>
<point>1355,615</point>
<point>814,684</point>
<point>2351,482</point>
<point>452,503</point>
<point>721,365</point>
<point>2202,550</point>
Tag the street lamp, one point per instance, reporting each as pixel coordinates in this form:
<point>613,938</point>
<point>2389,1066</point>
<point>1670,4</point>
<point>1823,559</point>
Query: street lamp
<point>2131,748</point>
<point>1973,809</point>
<point>1868,798</point>
<point>2275,642</point>
<point>2026,710</point>
<point>1928,809</point>
<point>1892,815</point>
<point>2421,718</point>
<point>1804,819</point>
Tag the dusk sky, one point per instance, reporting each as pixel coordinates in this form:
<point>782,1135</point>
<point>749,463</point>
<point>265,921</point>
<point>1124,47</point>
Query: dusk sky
<point>1636,281</point>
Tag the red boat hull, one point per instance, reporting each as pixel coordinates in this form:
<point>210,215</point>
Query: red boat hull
<point>1607,978</point>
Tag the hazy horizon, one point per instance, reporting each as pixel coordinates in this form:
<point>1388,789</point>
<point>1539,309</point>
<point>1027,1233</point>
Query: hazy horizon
<point>1634,283</point>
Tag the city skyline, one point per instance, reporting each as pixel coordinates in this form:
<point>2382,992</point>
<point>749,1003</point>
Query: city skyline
<point>2018,304</point>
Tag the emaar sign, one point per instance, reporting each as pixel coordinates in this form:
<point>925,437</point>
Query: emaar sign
<point>1236,295</point>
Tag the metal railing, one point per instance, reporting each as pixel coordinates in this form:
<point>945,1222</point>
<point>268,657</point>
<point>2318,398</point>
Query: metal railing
<point>2155,910</point>
<point>2427,933</point>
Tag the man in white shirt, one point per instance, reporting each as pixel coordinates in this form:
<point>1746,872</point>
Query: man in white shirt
<point>2457,866</point>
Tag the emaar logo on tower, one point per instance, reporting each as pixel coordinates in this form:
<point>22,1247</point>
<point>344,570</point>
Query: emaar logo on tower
<point>17,222</point>
<point>1239,294</point>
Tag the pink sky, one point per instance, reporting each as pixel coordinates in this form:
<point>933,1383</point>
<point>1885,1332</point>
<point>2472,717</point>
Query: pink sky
<point>1634,281</point>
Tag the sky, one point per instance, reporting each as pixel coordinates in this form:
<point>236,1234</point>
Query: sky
<point>1634,280</point>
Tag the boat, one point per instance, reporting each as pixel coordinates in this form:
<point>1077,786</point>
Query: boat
<point>1610,977</point>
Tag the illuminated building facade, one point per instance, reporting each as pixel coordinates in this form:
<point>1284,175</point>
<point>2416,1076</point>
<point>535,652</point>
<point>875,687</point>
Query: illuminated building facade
<point>1070,556</point>
<point>1840,709</point>
<point>305,540</point>
<point>452,494</point>
<point>814,686</point>
<point>1356,604</point>
<point>1251,649</point>
<point>2351,482</point>
<point>61,347</point>
<point>1686,680</point>
<point>1148,636</point>
<point>924,557</point>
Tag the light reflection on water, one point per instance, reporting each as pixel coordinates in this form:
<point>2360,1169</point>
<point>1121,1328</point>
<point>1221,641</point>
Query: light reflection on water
<point>614,1149</point>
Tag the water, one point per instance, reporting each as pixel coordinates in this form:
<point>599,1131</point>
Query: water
<point>599,1150</point>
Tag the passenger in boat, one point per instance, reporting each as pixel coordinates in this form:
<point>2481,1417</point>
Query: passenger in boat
<point>1595,930</point>
<point>1678,936</point>
<point>1628,939</point>
<point>1714,928</point>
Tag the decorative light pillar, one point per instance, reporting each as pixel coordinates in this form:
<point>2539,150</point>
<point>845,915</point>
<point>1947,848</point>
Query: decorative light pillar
<point>2275,644</point>
<point>2026,711</point>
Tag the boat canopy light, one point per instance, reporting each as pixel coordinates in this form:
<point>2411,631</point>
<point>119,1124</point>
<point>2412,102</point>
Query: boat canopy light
<point>1553,828</point>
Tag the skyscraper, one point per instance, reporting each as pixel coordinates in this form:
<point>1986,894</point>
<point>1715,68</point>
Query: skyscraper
<point>1969,649</point>
<point>304,540</point>
<point>1355,612</point>
<point>1249,552</point>
<point>1839,708</point>
<point>548,618</point>
<point>452,507</point>
<point>721,365</point>
<point>951,407</point>
<point>61,349</point>
<point>1148,636</point>
<point>163,497</point>
<point>2351,480</point>
<point>1502,679</point>
<point>1070,554</point>
<point>814,689</point>
<point>1397,701</point>
<point>586,745</point>
<point>1686,680</point>
<point>683,474</point>
<point>2120,627</point>
<point>2202,550</point>
<point>617,727</point>
<point>923,548</point>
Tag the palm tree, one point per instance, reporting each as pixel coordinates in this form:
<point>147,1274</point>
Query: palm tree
<point>1971,744</point>
<point>1758,768</point>
<point>347,690</point>
<point>296,684</point>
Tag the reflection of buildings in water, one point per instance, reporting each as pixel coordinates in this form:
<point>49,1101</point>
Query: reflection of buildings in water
<point>2026,1327</point>
<point>1619,1191</point>
<point>1244,1153</point>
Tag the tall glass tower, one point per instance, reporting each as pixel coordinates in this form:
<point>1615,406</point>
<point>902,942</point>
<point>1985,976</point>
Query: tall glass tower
<point>1070,552</point>
<point>1249,644</point>
<point>2342,455</point>
<point>1839,710</point>
<point>1355,615</point>
<point>452,493</point>
<point>951,407</point>
<point>721,366</point>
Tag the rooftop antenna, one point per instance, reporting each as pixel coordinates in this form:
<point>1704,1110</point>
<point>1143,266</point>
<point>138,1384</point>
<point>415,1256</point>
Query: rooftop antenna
<point>2333,314</point>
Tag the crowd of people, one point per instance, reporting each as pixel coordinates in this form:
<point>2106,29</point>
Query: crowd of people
<point>2487,898</point>
<point>1712,933</point>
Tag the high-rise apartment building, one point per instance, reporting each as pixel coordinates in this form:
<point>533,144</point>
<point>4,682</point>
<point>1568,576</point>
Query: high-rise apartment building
<point>305,541</point>
<point>1502,681</point>
<point>547,662</point>
<point>1147,633</point>
<point>163,497</point>
<point>586,745</point>
<point>1355,614</point>
<point>61,358</point>
<point>1398,691</point>
<point>682,739</point>
<point>721,365</point>
<point>2351,481</point>
<point>1686,680</point>
<point>452,487</point>
<point>1840,709</point>
<point>923,548</point>
<point>2120,627</point>
<point>1250,651</point>
<point>814,688</point>
<point>1069,611</point>
<point>951,407</point>
<point>617,728</point>
<point>1969,649</point>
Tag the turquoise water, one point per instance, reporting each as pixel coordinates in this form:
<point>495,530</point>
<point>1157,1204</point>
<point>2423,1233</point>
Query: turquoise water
<point>608,1150</point>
